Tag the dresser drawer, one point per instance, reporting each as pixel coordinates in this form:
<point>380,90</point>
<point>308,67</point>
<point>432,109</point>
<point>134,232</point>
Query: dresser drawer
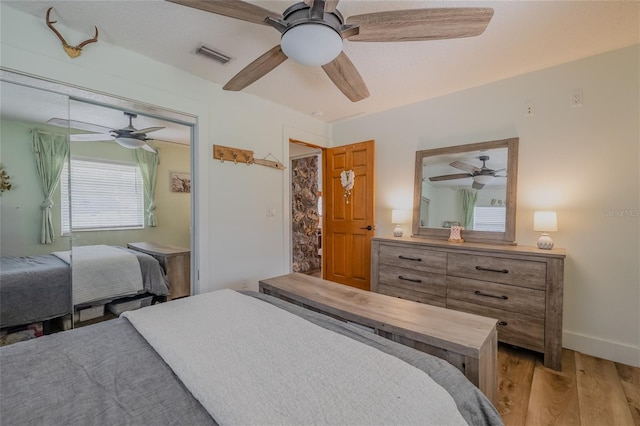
<point>414,296</point>
<point>510,298</point>
<point>424,282</point>
<point>522,273</point>
<point>415,258</point>
<point>513,328</point>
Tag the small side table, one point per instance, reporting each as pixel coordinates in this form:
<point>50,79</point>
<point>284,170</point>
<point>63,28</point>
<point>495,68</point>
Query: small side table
<point>176,263</point>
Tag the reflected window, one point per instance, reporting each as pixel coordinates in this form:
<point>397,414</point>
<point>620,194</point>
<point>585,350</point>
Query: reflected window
<point>105,196</point>
<point>489,219</point>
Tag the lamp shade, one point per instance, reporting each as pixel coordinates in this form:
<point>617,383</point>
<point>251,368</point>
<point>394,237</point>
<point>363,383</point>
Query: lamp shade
<point>483,179</point>
<point>131,143</point>
<point>312,44</point>
<point>545,221</point>
<point>399,216</point>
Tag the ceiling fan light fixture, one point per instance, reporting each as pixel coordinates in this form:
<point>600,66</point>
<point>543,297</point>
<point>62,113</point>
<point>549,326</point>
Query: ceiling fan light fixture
<point>483,179</point>
<point>129,142</point>
<point>311,43</point>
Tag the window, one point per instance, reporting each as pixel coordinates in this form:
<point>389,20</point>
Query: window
<point>105,195</point>
<point>489,219</point>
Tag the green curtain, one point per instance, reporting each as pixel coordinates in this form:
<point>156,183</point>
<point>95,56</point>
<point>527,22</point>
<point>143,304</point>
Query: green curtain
<point>51,151</point>
<point>148,163</point>
<point>469,198</point>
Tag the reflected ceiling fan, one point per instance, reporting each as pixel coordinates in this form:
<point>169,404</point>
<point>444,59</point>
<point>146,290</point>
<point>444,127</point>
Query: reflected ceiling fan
<point>481,175</point>
<point>128,137</point>
<point>313,31</point>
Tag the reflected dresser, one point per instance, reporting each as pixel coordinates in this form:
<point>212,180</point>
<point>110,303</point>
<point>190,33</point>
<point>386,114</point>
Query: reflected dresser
<point>176,263</point>
<point>520,286</point>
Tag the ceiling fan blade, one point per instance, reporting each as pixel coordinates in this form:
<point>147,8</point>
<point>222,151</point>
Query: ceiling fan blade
<point>147,130</point>
<point>329,5</point>
<point>464,166</point>
<point>148,148</point>
<point>79,125</point>
<point>450,177</point>
<point>232,8</point>
<point>256,69</point>
<point>477,185</point>
<point>91,137</point>
<point>421,24</point>
<point>346,78</point>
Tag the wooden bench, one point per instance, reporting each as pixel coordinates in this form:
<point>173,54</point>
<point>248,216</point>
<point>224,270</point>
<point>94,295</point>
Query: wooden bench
<point>469,342</point>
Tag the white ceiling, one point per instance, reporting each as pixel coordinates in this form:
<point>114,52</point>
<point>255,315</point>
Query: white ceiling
<point>523,36</point>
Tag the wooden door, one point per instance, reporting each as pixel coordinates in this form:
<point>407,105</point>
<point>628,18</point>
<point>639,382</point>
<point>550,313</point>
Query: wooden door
<point>349,221</point>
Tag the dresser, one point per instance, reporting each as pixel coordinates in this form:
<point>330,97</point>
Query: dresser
<point>176,263</point>
<point>520,286</point>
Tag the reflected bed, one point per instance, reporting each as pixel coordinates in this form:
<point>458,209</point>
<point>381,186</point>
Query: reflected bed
<point>38,288</point>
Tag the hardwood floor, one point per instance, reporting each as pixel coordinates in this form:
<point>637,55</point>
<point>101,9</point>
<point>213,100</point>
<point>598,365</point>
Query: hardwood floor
<point>588,391</point>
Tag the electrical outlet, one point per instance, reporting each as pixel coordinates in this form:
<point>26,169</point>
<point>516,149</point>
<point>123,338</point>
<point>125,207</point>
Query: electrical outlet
<point>576,97</point>
<point>271,211</point>
<point>528,109</point>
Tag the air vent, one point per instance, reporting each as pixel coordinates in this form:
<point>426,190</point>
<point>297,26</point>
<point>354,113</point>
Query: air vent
<point>212,54</point>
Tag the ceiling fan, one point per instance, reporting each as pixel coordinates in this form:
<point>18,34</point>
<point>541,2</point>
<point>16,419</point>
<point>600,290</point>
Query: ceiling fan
<point>128,137</point>
<point>481,176</point>
<point>313,32</point>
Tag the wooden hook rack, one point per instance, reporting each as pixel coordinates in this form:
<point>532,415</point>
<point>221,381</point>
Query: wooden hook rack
<point>235,155</point>
<point>238,155</point>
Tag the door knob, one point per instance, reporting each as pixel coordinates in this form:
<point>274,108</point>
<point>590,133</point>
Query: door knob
<point>368,228</point>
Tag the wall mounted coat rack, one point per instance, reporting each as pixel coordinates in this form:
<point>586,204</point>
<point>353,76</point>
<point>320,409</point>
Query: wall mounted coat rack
<point>237,155</point>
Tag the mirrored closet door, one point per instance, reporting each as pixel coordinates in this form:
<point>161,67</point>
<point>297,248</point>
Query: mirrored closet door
<point>35,280</point>
<point>130,192</point>
<point>89,190</point>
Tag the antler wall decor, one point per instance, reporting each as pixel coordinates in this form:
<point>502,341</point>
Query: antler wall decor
<point>72,51</point>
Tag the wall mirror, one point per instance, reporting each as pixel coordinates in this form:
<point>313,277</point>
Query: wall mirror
<point>473,186</point>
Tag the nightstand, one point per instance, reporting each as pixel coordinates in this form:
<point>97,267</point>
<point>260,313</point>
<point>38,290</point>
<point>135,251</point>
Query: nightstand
<point>176,263</point>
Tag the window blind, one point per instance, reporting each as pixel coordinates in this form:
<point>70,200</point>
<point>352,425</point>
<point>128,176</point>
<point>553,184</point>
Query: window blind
<point>489,219</point>
<point>104,195</point>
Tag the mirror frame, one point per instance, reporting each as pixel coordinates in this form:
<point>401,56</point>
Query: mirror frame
<point>509,234</point>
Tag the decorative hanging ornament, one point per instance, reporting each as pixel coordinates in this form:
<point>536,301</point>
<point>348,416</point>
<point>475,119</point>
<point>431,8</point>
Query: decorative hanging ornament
<point>347,179</point>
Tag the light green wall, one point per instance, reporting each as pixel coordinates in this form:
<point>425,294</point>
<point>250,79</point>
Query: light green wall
<point>20,207</point>
<point>20,214</point>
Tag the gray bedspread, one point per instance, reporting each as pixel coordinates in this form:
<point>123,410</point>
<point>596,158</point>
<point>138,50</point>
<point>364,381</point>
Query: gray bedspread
<point>33,288</point>
<point>107,374</point>
<point>154,280</point>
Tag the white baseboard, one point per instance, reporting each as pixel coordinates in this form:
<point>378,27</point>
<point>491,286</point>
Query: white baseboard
<point>600,348</point>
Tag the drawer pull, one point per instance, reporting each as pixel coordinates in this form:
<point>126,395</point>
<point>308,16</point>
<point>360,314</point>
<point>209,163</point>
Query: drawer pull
<point>415,259</point>
<point>502,323</point>
<point>409,279</point>
<point>502,271</point>
<point>479,293</point>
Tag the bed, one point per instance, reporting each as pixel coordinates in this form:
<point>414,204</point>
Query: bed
<point>211,372</point>
<point>38,288</point>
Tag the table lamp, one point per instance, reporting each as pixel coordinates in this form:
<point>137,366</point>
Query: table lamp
<point>545,221</point>
<point>398,217</point>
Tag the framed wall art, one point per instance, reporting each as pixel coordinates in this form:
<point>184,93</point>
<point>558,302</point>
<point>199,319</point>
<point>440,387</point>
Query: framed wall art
<point>180,182</point>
